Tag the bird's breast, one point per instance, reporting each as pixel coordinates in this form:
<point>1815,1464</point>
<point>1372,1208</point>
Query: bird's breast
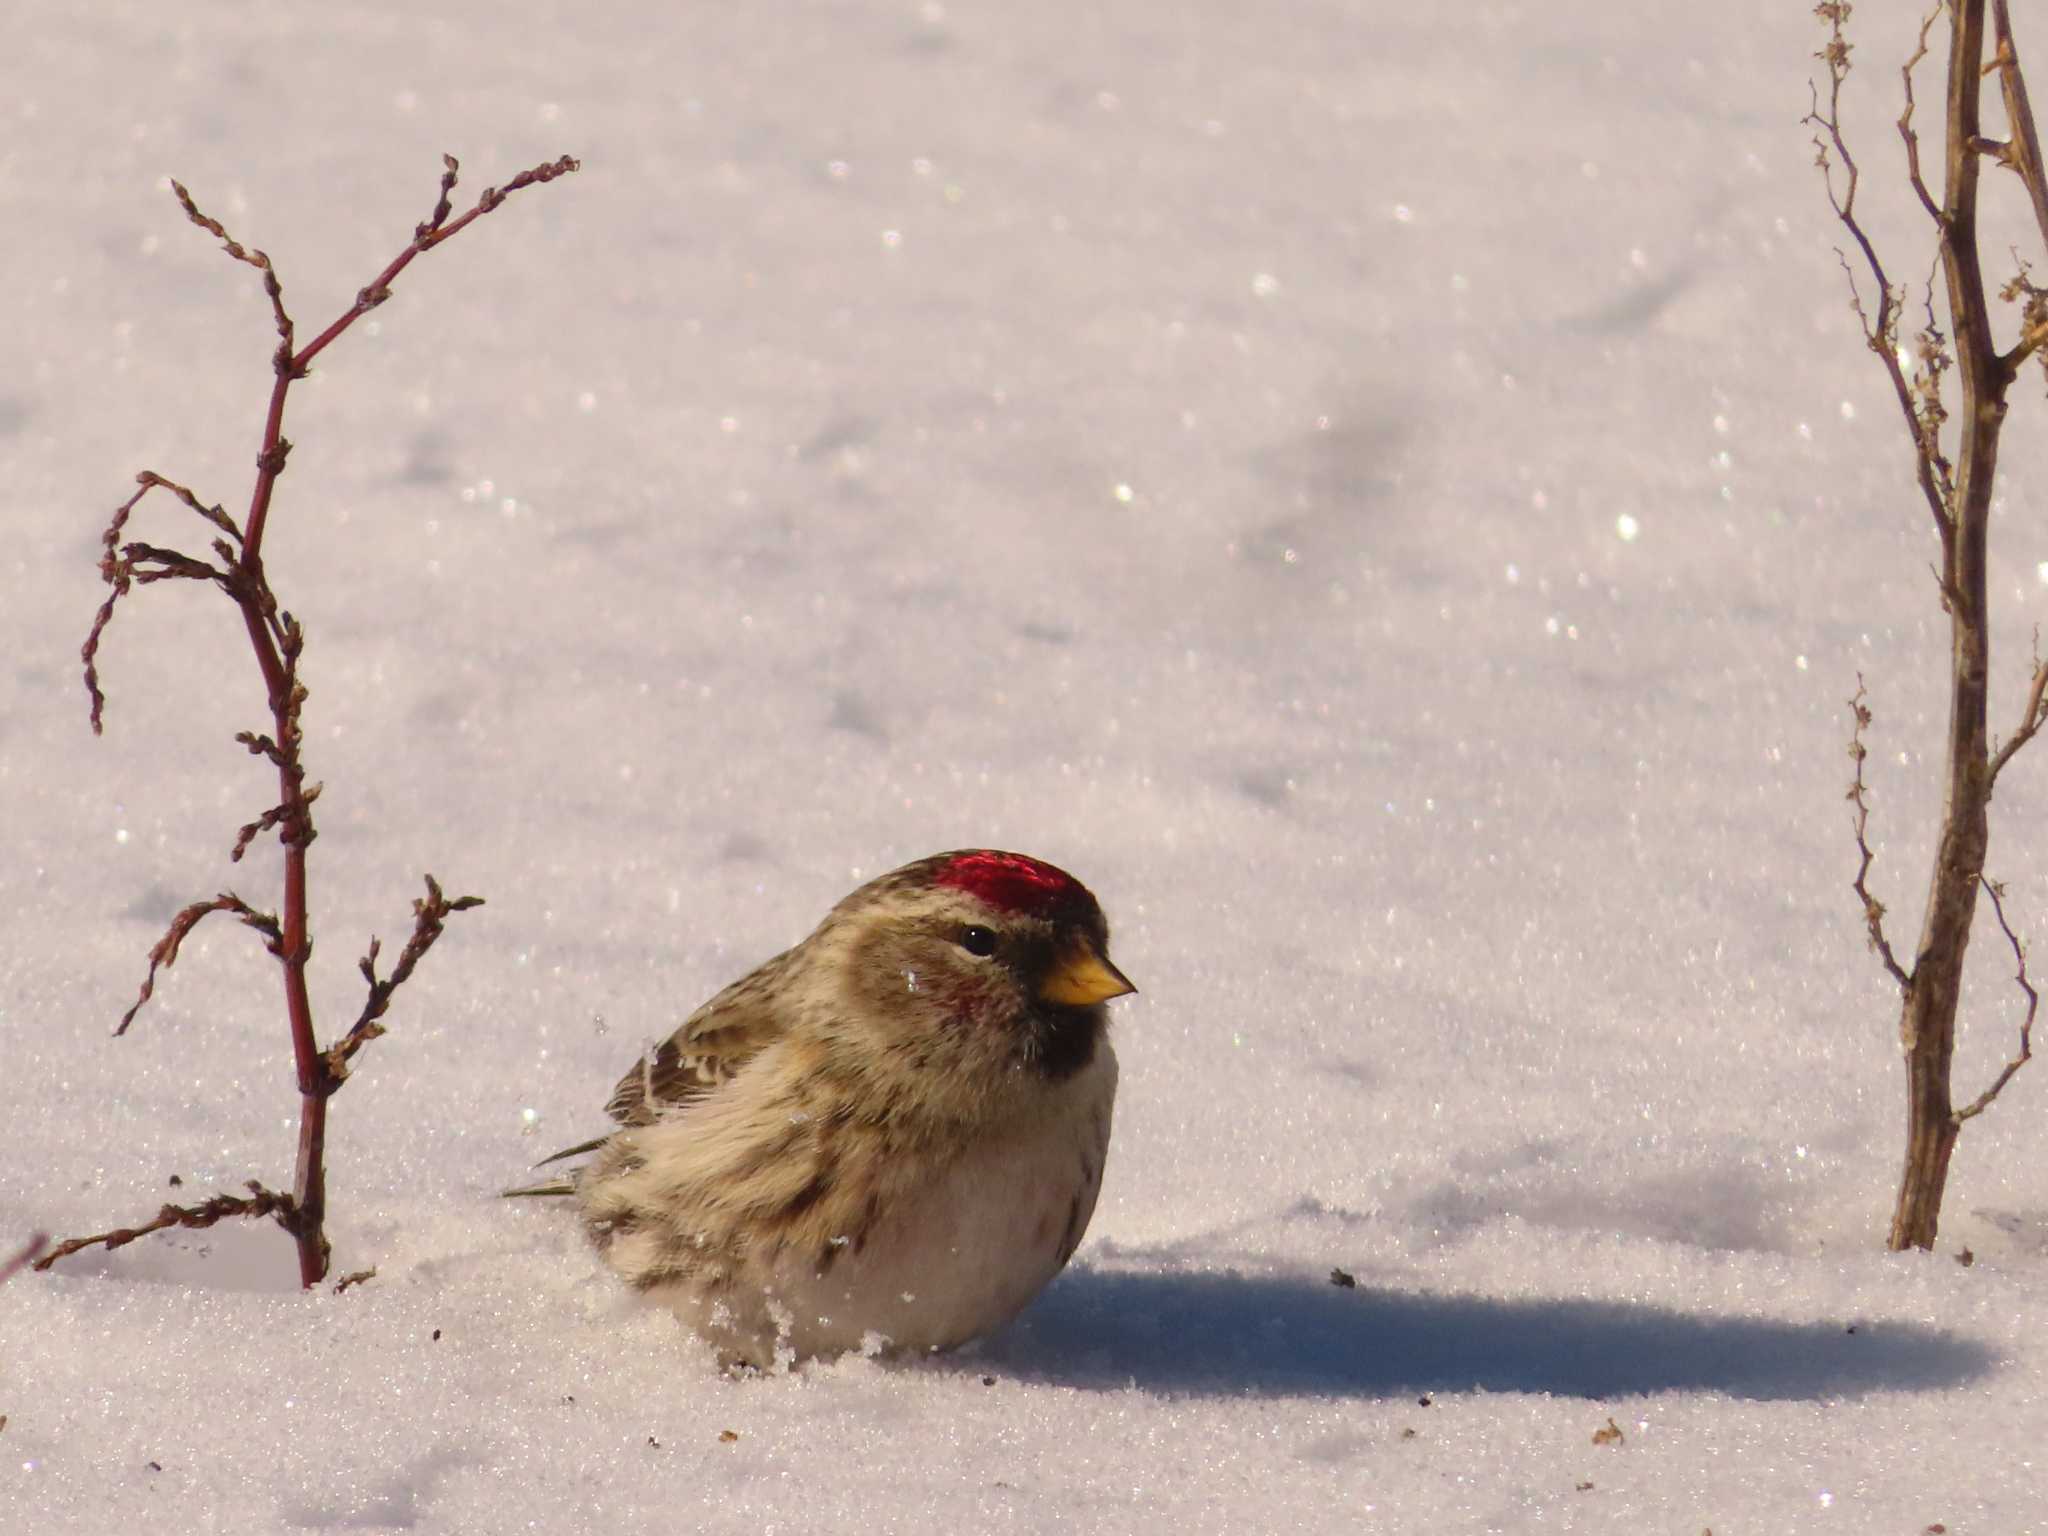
<point>958,1254</point>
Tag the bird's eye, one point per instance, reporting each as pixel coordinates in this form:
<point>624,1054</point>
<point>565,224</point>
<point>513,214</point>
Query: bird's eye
<point>978,940</point>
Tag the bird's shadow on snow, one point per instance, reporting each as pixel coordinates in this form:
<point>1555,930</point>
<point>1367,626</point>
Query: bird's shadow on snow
<point>1231,1334</point>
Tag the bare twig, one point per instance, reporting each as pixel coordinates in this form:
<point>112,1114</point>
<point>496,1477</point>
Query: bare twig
<point>1906,129</point>
<point>2031,717</point>
<point>1932,361</point>
<point>215,515</point>
<point>261,746</point>
<point>115,575</point>
<point>425,237</point>
<point>147,563</point>
<point>117,571</point>
<point>1873,909</point>
<point>277,641</point>
<point>1880,334</point>
<point>1983,1101</point>
<point>36,1244</point>
<point>2021,289</point>
<point>2022,152</point>
<point>1960,493</point>
<point>354,1278</point>
<point>272,288</point>
<point>429,914</point>
<point>165,954</point>
<point>270,818</point>
<point>450,169</point>
<point>260,1202</point>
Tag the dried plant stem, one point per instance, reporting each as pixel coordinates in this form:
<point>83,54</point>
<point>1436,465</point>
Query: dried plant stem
<point>1873,909</point>
<point>2025,1054</point>
<point>316,1082</point>
<point>1958,488</point>
<point>1927,1021</point>
<point>276,639</point>
<point>259,1202</point>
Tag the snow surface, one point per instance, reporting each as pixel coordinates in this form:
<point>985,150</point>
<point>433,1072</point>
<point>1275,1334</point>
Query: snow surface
<point>1393,499</point>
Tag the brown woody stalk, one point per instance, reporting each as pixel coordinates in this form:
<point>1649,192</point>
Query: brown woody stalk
<point>1957,486</point>
<point>259,1202</point>
<point>277,641</point>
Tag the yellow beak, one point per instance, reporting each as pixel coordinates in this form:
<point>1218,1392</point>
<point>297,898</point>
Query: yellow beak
<point>1082,976</point>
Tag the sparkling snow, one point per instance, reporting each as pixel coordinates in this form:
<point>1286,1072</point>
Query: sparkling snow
<point>1396,502</point>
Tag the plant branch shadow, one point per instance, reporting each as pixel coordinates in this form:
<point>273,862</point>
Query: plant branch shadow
<point>1231,1334</point>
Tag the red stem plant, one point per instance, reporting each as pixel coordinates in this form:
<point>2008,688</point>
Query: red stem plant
<point>278,641</point>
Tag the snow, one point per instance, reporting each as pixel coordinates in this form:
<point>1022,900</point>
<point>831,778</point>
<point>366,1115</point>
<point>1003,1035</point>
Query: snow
<point>1396,505</point>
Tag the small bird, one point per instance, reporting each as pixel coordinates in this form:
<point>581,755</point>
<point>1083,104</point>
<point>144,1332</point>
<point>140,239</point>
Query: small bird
<point>888,1138</point>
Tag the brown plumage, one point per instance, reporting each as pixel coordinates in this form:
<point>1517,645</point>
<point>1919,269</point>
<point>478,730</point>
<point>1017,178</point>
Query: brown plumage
<point>889,1136</point>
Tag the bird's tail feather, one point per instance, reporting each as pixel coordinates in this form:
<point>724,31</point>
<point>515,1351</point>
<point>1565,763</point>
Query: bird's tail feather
<point>563,1186</point>
<point>578,1151</point>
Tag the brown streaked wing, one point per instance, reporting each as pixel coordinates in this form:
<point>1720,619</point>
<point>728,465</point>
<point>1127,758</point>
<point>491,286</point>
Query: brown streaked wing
<point>708,1049</point>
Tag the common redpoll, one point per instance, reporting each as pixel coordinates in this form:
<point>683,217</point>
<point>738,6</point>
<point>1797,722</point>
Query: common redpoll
<point>888,1137</point>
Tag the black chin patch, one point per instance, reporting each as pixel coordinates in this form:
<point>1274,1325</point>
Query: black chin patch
<point>1063,1040</point>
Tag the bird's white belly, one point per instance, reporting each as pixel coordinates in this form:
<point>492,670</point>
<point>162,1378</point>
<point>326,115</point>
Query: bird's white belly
<point>957,1260</point>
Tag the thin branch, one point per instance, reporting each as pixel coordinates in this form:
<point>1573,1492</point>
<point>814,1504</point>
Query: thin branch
<point>425,238</point>
<point>116,570</point>
<point>2021,289</point>
<point>491,197</point>
<point>36,1244</point>
<point>1982,1102</point>
<point>277,641</point>
<point>165,954</point>
<point>430,913</point>
<point>215,515</point>
<point>115,575</point>
<point>2031,718</point>
<point>260,1202</point>
<point>1906,129</point>
<point>2031,341</point>
<point>1880,334</point>
<point>450,169</point>
<point>1873,909</point>
<point>272,288</point>
<point>150,562</point>
<point>2022,152</point>
<point>1931,363</point>
<point>250,831</point>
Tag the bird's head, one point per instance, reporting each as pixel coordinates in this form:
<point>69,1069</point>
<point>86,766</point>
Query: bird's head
<point>976,964</point>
